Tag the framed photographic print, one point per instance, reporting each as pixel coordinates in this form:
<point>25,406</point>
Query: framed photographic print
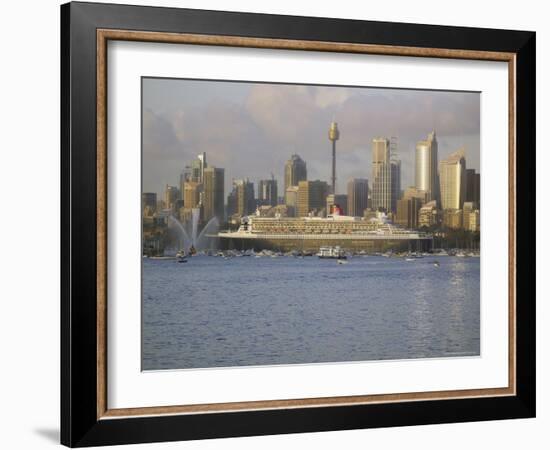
<point>277,224</point>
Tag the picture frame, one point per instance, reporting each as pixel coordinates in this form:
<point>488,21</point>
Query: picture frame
<point>86,418</point>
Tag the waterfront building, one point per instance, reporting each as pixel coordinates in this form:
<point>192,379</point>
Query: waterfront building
<point>452,218</point>
<point>333,135</point>
<point>382,169</point>
<point>467,209</point>
<point>426,167</point>
<point>312,197</point>
<point>213,198</point>
<point>472,186</point>
<point>340,200</point>
<point>358,196</point>
<point>295,171</point>
<point>171,194</point>
<point>267,192</point>
<point>473,222</point>
<point>428,215</point>
<point>452,178</point>
<point>407,212</point>
<point>148,203</point>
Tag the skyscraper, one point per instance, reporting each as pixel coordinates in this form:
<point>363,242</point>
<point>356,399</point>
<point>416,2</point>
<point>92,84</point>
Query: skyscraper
<point>267,192</point>
<point>472,186</point>
<point>407,212</point>
<point>197,168</point>
<point>312,196</point>
<point>426,178</point>
<point>191,194</point>
<point>231,203</point>
<point>245,202</point>
<point>213,193</point>
<point>395,165</point>
<point>149,202</point>
<point>358,196</point>
<point>295,171</point>
<point>333,135</point>
<point>193,172</point>
<point>381,175</point>
<point>171,194</point>
<point>291,200</point>
<point>452,175</point>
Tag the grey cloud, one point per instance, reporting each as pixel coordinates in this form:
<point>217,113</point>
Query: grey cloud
<point>252,131</point>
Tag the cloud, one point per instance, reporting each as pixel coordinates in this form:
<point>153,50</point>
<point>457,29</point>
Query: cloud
<point>160,140</point>
<point>253,133</point>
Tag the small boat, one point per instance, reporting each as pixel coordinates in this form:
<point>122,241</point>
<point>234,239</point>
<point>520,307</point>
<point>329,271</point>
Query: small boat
<point>331,253</point>
<point>341,261</point>
<point>182,260</point>
<point>410,259</point>
<point>436,264</point>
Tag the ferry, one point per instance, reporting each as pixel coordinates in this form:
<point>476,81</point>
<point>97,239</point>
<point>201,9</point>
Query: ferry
<point>335,252</point>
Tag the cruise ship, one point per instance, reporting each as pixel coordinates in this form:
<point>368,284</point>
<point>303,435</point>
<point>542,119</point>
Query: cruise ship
<point>311,233</point>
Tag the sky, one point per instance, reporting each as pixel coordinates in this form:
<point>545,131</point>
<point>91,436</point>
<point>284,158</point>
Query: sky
<point>251,129</point>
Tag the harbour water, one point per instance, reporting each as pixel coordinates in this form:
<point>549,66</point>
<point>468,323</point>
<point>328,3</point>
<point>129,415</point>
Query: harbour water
<point>248,311</point>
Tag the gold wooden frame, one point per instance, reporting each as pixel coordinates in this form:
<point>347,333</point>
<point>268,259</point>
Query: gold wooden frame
<point>103,36</point>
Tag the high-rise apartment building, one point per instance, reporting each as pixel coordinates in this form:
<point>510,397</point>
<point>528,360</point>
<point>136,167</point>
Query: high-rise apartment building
<point>295,171</point>
<point>426,166</point>
<point>358,196</point>
<point>312,196</point>
<point>213,186</point>
<point>452,179</point>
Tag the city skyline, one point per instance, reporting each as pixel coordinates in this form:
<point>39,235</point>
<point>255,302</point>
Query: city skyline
<point>256,146</point>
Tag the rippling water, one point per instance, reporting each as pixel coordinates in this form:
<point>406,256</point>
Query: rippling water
<point>215,312</point>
